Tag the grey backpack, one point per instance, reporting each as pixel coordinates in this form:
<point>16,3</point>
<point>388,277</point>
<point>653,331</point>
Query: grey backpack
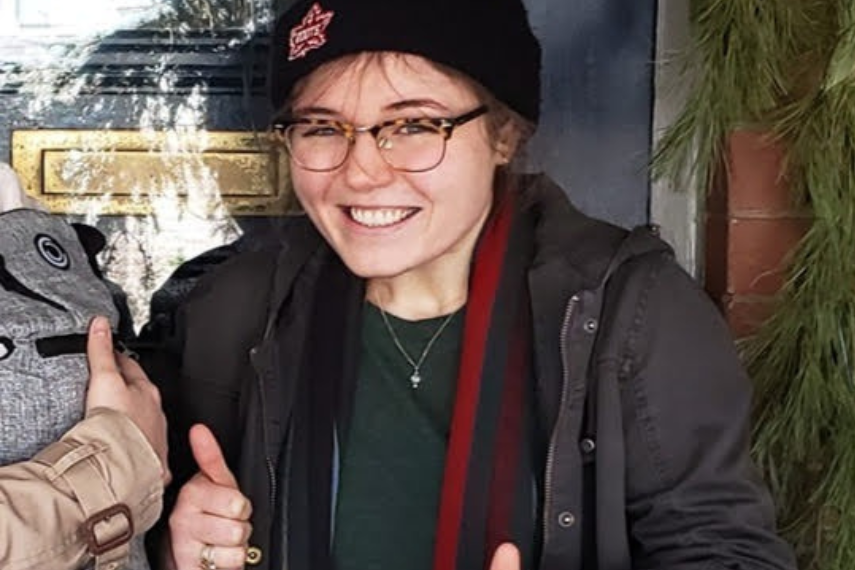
<point>49,291</point>
<point>48,294</point>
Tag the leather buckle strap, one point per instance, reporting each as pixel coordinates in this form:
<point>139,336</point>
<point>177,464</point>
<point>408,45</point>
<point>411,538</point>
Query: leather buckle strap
<point>95,546</point>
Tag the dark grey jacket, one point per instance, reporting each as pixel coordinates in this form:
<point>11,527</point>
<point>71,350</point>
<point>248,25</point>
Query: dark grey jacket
<point>648,462</point>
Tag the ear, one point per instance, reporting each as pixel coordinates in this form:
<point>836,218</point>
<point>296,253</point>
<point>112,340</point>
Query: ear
<point>91,238</point>
<point>508,142</point>
<point>93,242</point>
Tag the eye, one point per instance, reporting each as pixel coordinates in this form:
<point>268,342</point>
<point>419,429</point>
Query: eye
<point>6,348</point>
<point>414,128</point>
<point>52,252</point>
<point>320,131</point>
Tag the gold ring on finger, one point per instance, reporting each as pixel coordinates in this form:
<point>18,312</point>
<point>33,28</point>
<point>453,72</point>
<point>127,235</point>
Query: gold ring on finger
<point>206,558</point>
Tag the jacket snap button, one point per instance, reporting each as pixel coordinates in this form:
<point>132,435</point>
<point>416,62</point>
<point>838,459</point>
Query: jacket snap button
<point>253,555</point>
<point>587,445</point>
<point>590,325</point>
<point>566,519</point>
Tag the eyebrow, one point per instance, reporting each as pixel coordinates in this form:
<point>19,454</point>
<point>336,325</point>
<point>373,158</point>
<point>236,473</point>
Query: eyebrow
<point>396,106</point>
<point>315,111</point>
<point>411,103</point>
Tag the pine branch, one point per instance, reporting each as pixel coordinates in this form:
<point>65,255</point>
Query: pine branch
<point>746,59</point>
<point>803,360</point>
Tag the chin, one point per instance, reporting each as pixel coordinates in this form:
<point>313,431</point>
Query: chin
<point>373,271</point>
<point>373,268</point>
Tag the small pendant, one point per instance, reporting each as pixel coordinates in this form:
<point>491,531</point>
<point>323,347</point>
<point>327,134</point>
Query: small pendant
<point>415,379</point>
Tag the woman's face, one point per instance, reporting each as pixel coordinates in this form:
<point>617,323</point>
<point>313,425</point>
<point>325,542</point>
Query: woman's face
<point>381,221</point>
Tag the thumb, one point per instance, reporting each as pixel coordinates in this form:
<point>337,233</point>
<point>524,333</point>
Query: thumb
<point>103,371</point>
<point>99,348</point>
<point>506,557</point>
<point>209,457</point>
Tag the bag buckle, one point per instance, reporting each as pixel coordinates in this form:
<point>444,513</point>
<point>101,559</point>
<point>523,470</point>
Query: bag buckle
<point>88,530</point>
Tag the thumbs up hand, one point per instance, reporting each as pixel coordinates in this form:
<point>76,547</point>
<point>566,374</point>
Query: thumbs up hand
<point>210,521</point>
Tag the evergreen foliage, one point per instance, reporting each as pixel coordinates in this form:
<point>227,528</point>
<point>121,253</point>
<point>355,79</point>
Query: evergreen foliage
<point>740,68</point>
<point>802,360</point>
<point>798,84</point>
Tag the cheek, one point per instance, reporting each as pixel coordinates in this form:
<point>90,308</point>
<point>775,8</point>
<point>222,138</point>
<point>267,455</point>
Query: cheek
<point>310,191</point>
<point>470,179</point>
<point>475,159</point>
<point>308,187</point>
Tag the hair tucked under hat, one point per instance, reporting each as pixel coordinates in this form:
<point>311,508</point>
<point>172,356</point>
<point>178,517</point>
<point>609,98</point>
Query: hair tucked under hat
<point>488,40</point>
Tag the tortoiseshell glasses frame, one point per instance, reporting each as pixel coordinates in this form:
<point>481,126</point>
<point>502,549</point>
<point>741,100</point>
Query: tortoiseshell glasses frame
<point>406,144</point>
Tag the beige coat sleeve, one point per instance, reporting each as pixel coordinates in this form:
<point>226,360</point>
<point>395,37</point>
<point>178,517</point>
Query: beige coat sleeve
<point>92,490</point>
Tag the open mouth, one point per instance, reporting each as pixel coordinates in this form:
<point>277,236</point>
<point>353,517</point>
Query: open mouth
<point>380,217</point>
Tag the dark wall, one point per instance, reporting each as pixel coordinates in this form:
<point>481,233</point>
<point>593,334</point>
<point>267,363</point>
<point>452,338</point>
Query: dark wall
<point>595,133</point>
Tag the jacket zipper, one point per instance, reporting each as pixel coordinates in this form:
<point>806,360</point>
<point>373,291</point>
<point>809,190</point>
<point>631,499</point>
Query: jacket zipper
<point>271,474</point>
<point>550,456</point>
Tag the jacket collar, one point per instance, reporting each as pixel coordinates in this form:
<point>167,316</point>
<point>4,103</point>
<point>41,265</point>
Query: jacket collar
<point>574,247</point>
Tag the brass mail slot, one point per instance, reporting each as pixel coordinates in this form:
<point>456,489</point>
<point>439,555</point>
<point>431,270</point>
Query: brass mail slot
<point>110,172</point>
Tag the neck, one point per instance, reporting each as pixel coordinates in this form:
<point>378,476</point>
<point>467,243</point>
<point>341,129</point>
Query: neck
<point>437,288</point>
<point>413,298</point>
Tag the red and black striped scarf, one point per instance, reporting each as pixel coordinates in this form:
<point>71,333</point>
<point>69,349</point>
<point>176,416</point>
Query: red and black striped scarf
<point>489,487</point>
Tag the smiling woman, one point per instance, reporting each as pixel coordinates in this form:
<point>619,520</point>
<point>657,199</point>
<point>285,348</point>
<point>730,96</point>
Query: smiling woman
<point>383,220</point>
<point>445,365</point>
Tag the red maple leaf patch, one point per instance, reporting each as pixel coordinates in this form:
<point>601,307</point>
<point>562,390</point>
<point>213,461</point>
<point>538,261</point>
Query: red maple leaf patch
<point>310,33</point>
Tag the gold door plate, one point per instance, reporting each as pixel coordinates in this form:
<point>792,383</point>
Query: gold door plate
<point>118,172</point>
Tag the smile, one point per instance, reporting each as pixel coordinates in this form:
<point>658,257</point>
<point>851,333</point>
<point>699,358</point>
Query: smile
<point>379,217</point>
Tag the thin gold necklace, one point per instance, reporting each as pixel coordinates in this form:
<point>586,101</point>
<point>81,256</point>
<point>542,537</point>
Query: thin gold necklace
<point>416,376</point>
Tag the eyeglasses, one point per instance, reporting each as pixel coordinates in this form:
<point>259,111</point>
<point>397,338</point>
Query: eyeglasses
<point>409,145</point>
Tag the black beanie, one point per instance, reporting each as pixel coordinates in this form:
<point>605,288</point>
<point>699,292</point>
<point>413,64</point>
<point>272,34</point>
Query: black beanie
<point>488,40</point>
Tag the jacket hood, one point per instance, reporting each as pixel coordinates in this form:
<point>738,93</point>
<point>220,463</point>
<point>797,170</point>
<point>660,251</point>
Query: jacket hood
<point>566,236</point>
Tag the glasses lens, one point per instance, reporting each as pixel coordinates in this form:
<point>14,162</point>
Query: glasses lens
<point>317,146</point>
<point>413,146</point>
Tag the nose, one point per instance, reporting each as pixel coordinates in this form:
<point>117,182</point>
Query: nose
<point>365,168</point>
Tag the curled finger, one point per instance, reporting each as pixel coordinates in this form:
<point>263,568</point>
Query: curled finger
<point>225,532</point>
<point>223,557</point>
<point>200,494</point>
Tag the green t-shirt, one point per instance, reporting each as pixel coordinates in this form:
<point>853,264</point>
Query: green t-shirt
<point>393,451</point>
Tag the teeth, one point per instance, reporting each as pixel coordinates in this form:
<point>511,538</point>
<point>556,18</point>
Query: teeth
<point>378,217</point>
